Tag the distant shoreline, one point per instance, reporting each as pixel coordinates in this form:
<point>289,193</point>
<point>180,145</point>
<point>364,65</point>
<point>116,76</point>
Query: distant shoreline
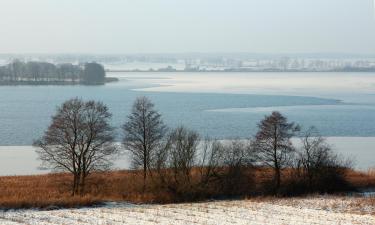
<point>240,71</point>
<point>57,83</point>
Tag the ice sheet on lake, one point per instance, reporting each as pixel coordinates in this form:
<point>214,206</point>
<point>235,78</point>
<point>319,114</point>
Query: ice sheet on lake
<point>23,160</point>
<point>312,84</point>
<point>267,110</point>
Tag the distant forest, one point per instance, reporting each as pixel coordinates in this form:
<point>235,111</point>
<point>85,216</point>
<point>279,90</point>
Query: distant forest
<point>18,72</point>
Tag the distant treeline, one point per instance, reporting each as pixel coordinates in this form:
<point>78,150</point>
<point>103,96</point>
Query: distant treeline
<point>249,70</point>
<point>18,72</point>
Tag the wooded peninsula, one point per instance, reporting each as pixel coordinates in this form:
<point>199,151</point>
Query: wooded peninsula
<point>45,73</point>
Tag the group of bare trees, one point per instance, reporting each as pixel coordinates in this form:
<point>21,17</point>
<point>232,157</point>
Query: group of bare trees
<point>42,72</point>
<point>317,166</point>
<point>80,140</point>
<point>178,159</point>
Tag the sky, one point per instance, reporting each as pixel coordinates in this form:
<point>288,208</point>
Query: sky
<point>183,26</point>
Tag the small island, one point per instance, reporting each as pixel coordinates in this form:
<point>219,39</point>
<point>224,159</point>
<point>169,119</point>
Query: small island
<point>45,73</point>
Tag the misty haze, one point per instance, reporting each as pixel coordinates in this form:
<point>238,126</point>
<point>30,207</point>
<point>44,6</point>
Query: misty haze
<point>187,112</point>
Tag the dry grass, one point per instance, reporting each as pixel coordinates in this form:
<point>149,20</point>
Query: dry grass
<point>38,191</point>
<point>54,189</point>
<point>361,179</point>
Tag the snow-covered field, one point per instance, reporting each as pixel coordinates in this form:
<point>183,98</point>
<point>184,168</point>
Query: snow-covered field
<point>317,210</point>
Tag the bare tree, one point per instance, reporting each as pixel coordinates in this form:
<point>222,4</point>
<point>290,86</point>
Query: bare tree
<point>79,140</point>
<point>313,154</point>
<point>183,145</point>
<point>272,143</point>
<point>143,134</point>
<point>317,162</point>
<point>226,167</point>
<point>177,159</point>
<point>237,153</point>
<point>16,69</point>
<point>210,161</point>
<point>237,160</point>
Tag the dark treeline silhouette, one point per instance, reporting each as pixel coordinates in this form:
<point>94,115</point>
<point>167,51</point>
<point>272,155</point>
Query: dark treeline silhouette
<point>18,72</point>
<point>186,166</point>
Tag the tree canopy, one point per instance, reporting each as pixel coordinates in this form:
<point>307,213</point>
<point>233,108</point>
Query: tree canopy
<point>33,72</point>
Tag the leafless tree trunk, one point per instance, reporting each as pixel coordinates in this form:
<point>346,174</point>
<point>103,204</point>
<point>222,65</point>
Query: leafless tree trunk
<point>272,143</point>
<point>143,134</point>
<point>79,140</point>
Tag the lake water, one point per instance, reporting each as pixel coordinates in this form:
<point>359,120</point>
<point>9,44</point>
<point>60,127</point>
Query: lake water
<point>220,105</point>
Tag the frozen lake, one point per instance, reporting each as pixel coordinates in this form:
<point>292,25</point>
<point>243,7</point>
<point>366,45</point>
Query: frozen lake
<point>221,105</point>
<point>23,160</point>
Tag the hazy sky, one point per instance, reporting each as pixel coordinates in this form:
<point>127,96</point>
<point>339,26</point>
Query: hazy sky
<point>171,26</point>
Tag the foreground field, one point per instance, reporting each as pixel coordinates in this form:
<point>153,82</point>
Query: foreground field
<point>317,210</point>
